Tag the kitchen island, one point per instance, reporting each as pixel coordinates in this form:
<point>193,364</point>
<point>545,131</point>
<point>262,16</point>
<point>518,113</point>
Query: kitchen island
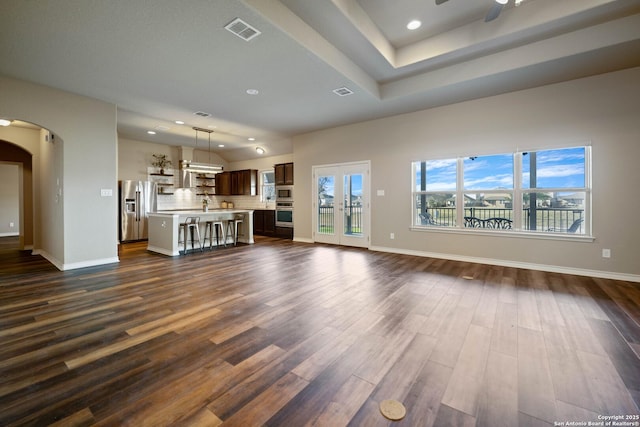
<point>164,227</point>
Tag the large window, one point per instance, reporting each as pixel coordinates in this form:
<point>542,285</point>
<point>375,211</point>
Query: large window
<point>545,191</point>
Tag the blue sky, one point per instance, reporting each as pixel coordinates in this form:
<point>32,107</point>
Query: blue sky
<point>356,186</point>
<point>562,168</point>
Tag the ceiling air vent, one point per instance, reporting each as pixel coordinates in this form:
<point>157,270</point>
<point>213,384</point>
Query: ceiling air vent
<point>242,29</point>
<point>202,114</point>
<point>343,91</point>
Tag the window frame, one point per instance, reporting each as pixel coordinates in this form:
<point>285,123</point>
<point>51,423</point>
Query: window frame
<point>263,186</point>
<point>517,192</point>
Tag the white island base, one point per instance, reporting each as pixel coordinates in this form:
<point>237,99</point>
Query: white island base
<point>164,226</point>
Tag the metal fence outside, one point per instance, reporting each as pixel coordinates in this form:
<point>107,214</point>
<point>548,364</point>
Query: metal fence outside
<point>539,219</point>
<point>352,219</point>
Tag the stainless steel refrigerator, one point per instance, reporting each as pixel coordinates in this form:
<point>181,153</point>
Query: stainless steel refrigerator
<point>137,199</point>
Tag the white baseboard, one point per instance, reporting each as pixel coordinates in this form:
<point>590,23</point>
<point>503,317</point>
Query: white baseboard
<point>72,266</point>
<point>162,251</point>
<point>524,265</point>
<point>303,240</point>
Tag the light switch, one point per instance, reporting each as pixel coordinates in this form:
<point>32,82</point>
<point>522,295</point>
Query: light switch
<point>380,192</point>
<point>106,192</point>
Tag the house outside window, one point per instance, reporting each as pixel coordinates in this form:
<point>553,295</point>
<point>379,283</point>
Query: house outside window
<point>544,191</point>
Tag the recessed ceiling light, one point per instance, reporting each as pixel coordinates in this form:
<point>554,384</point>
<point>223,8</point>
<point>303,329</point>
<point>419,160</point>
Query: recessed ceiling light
<point>179,122</point>
<point>251,139</point>
<point>414,25</point>
<point>260,150</point>
<point>253,91</point>
<point>221,145</point>
<point>150,132</point>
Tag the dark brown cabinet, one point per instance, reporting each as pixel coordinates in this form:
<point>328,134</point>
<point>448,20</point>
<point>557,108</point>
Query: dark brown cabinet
<point>244,182</point>
<point>283,173</point>
<point>264,222</point>
<point>223,184</point>
<point>237,183</point>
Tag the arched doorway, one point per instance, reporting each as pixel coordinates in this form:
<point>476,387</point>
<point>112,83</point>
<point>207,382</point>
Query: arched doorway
<point>16,195</point>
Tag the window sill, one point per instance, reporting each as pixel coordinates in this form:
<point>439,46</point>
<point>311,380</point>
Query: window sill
<point>506,233</point>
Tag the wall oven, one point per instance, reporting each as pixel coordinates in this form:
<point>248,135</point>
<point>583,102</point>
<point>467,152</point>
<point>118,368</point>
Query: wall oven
<point>284,214</point>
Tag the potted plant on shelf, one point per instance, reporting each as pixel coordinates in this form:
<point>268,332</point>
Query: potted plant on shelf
<point>160,161</point>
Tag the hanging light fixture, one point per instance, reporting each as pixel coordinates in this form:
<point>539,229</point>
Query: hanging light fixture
<point>194,167</point>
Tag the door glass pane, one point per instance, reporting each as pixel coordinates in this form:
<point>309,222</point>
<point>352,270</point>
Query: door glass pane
<point>326,199</point>
<point>353,204</point>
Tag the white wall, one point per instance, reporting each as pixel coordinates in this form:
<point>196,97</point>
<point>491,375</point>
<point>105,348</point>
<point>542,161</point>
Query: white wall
<point>602,111</point>
<point>78,227</point>
<point>9,199</point>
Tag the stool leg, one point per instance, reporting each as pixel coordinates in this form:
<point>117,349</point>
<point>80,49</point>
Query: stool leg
<point>184,235</point>
<point>197,230</point>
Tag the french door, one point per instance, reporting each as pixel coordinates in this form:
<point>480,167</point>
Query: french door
<point>341,204</point>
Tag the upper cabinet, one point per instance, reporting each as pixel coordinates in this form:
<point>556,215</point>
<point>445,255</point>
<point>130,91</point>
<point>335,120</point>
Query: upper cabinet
<point>237,183</point>
<point>284,173</point>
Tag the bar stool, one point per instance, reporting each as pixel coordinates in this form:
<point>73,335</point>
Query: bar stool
<point>209,227</point>
<point>232,225</point>
<point>190,227</point>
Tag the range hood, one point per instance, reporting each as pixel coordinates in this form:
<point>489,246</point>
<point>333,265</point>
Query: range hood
<point>190,170</point>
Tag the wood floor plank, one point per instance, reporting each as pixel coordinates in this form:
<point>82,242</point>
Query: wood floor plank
<point>464,388</point>
<point>504,337</point>
<point>536,396</point>
<point>135,340</point>
<point>498,402</point>
<point>262,408</point>
<point>424,398</point>
<point>609,393</point>
<point>528,314</point>
<point>569,382</point>
<point>344,405</point>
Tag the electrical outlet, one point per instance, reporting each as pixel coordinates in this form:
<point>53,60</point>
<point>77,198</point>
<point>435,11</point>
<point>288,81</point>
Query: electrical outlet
<point>11,225</point>
<point>106,192</point>
<point>606,253</point>
<point>392,236</point>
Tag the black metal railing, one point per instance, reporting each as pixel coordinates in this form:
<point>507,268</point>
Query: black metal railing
<point>352,219</point>
<point>540,219</point>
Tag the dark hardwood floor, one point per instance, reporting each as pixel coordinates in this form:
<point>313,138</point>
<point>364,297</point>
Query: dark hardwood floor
<point>290,334</point>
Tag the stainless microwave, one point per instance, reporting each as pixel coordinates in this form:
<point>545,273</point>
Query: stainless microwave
<point>284,192</point>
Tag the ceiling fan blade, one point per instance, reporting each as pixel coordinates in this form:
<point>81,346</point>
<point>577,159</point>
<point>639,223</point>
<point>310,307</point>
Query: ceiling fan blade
<point>441,1</point>
<point>494,12</point>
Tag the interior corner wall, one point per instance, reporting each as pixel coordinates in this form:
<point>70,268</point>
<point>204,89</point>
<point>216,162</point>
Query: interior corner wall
<point>79,226</point>
<point>602,111</point>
